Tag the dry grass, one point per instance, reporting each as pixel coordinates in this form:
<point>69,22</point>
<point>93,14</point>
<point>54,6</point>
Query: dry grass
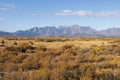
<point>75,42</point>
<point>59,58</point>
<point>80,42</point>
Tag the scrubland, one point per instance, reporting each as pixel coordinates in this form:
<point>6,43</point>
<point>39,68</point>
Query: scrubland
<point>59,58</point>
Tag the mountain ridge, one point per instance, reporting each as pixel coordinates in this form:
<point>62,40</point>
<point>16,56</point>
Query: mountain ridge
<point>73,30</point>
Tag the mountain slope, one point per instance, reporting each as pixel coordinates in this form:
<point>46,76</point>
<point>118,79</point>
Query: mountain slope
<point>2,33</point>
<point>111,32</point>
<point>74,30</point>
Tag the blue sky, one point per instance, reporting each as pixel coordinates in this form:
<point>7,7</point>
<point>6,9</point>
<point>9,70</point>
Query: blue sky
<point>24,14</point>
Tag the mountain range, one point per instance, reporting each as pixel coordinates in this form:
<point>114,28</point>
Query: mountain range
<point>74,30</point>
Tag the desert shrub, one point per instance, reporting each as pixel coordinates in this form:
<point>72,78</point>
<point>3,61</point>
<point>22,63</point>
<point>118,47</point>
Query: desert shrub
<point>83,67</point>
<point>59,71</point>
<point>94,46</point>
<point>41,74</point>
<point>87,71</point>
<point>15,43</point>
<point>3,41</point>
<point>53,52</point>
<point>30,63</point>
<point>67,46</point>
<point>19,58</point>
<point>106,64</point>
<point>20,48</point>
<point>111,47</point>
<point>10,67</point>
<point>85,78</point>
<point>41,47</point>
<point>30,51</point>
<point>100,59</point>
<point>65,56</point>
<point>19,75</point>
<point>31,43</point>
<point>116,61</point>
<point>10,48</point>
<point>72,65</point>
<point>91,57</point>
<point>15,48</point>
<point>26,46</point>
<point>2,45</point>
<point>105,74</point>
<point>117,50</point>
<point>84,50</point>
<point>6,56</point>
<point>69,50</point>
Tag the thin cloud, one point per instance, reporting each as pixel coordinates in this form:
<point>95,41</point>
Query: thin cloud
<point>33,14</point>
<point>2,19</point>
<point>8,5</point>
<point>5,6</point>
<point>88,13</point>
<point>38,14</point>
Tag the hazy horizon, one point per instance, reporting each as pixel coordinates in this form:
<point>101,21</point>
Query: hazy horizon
<point>24,14</point>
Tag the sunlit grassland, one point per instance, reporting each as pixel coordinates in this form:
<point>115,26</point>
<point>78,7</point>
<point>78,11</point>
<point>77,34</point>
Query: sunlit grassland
<point>59,58</point>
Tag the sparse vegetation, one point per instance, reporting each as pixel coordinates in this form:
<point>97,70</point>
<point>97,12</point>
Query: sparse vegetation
<point>57,58</point>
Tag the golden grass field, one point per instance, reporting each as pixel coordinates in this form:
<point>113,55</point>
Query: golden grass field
<point>80,42</point>
<point>59,58</point>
